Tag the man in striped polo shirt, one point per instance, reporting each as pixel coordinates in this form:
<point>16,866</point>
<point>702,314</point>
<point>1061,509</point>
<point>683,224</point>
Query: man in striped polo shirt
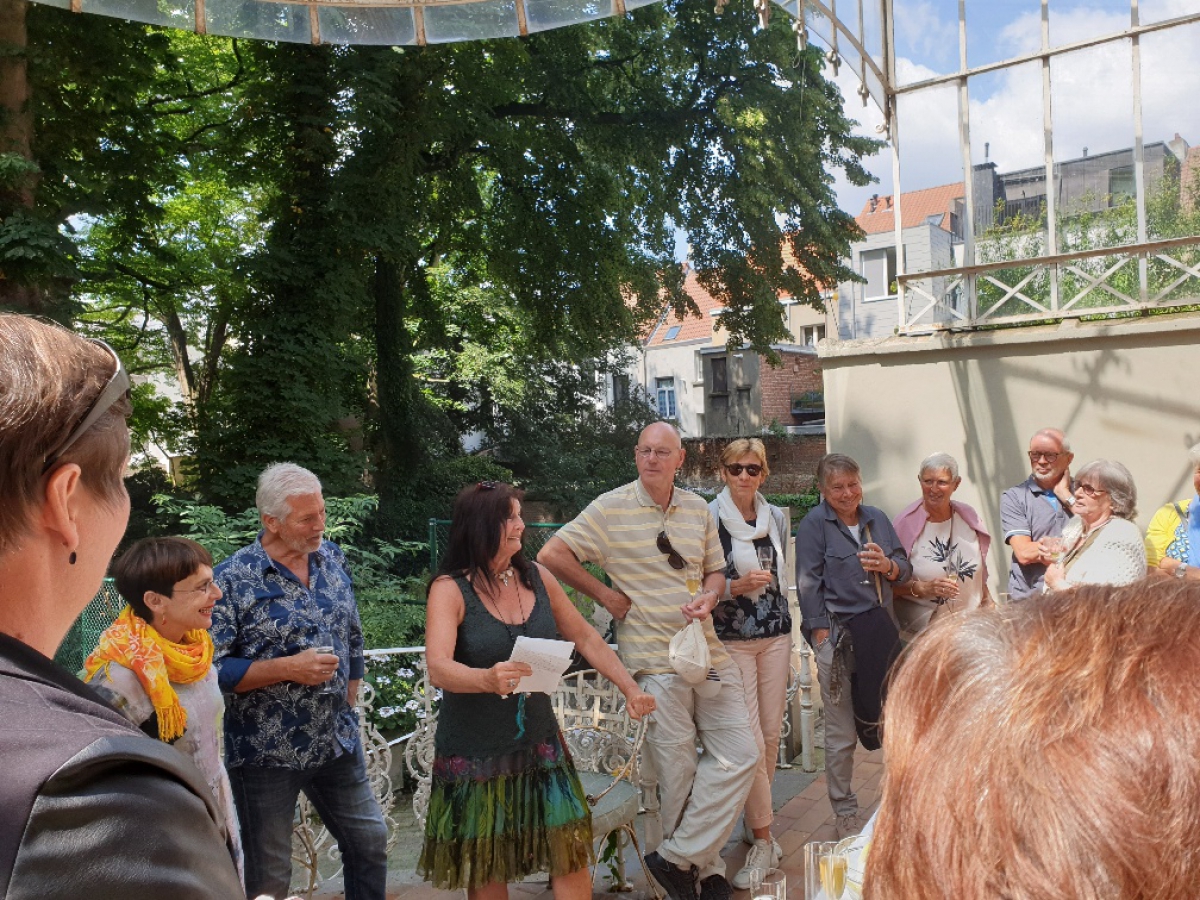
<point>643,535</point>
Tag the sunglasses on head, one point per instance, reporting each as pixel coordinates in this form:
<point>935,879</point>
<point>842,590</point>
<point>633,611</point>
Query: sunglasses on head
<point>487,485</point>
<point>116,388</point>
<point>673,557</point>
<point>735,469</point>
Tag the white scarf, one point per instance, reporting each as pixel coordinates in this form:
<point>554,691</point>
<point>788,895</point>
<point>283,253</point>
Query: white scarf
<point>742,550</point>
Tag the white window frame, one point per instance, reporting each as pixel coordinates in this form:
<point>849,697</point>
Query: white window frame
<point>664,388</point>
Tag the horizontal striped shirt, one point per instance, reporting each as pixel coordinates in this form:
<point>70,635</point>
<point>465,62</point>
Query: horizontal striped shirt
<point>619,532</point>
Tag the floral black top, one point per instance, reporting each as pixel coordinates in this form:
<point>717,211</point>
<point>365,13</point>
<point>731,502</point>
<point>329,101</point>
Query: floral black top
<point>741,618</point>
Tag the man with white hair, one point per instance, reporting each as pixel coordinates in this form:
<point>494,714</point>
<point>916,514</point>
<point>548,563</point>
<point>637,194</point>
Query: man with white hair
<point>289,648</point>
<point>1037,508</point>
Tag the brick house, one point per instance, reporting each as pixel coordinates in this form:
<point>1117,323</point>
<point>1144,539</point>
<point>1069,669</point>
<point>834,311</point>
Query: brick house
<point>694,380</point>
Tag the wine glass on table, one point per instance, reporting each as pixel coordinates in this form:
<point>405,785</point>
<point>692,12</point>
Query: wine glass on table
<point>768,884</point>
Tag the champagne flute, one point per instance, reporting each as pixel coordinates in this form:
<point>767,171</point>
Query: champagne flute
<point>322,642</point>
<point>766,560</point>
<point>692,574</point>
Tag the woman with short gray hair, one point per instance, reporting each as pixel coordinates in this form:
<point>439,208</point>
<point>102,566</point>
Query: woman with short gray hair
<point>947,543</point>
<point>1101,544</point>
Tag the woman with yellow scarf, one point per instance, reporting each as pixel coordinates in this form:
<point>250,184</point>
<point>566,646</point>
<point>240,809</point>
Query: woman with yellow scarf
<point>154,663</point>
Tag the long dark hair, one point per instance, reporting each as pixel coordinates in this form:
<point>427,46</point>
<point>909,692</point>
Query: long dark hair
<point>480,513</point>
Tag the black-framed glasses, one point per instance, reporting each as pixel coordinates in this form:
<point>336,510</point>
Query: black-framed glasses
<point>117,387</point>
<point>1035,455</point>
<point>736,469</point>
<point>673,557</point>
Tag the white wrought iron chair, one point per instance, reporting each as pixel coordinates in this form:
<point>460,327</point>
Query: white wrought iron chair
<point>604,744</point>
<point>310,839</point>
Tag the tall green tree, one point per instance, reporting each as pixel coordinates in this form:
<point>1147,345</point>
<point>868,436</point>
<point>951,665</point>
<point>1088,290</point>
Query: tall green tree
<point>514,203</point>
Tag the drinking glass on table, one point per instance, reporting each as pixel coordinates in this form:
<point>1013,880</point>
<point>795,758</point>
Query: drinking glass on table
<point>768,884</point>
<point>693,575</point>
<point>824,871</point>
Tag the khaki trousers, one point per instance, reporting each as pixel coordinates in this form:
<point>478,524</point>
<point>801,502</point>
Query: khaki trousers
<point>701,794</point>
<point>765,664</point>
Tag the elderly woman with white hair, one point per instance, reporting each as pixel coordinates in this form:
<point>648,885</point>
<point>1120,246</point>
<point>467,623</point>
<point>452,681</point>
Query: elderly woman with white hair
<point>1173,536</point>
<point>947,543</point>
<point>1101,544</point>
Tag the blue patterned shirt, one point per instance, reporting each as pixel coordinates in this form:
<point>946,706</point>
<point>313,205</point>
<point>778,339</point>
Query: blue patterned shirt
<point>267,613</point>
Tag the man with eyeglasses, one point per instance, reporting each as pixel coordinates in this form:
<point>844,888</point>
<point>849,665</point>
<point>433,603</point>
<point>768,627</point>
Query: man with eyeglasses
<point>1036,509</point>
<point>644,535</point>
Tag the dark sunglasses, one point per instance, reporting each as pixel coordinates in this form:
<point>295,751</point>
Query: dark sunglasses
<point>673,557</point>
<point>116,388</point>
<point>753,470</point>
<point>487,485</point>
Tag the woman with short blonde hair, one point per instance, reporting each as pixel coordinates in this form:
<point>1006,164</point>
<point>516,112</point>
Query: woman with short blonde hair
<point>754,623</point>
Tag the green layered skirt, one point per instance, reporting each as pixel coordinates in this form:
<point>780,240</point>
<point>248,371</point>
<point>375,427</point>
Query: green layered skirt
<point>503,818</point>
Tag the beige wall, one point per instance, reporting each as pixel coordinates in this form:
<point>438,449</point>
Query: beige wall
<point>1128,391</point>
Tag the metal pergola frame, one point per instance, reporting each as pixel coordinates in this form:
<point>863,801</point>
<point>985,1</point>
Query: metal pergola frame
<point>916,301</point>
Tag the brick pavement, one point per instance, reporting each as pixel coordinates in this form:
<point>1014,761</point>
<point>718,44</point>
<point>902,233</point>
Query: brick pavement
<point>806,817</point>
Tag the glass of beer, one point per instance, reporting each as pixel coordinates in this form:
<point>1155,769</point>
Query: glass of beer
<point>824,871</point>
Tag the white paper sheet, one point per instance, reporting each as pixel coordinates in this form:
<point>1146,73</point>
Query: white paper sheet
<point>548,659</point>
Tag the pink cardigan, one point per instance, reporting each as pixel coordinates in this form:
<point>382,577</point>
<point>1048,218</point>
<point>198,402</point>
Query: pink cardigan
<point>911,522</point>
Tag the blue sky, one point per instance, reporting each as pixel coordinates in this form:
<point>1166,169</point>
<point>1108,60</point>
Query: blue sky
<point>1092,98</point>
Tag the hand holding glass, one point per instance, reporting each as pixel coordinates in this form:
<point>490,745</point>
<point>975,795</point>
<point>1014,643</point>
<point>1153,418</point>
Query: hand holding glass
<point>322,642</point>
<point>1053,547</point>
<point>766,561</point>
<point>692,574</point>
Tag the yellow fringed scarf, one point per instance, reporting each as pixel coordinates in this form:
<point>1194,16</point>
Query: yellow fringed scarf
<point>156,662</point>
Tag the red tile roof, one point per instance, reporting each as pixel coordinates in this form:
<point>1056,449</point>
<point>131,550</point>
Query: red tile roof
<point>915,208</point>
<point>690,327</point>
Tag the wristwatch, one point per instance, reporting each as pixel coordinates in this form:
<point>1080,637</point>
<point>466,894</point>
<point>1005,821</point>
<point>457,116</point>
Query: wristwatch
<point>1181,571</point>
<point>1068,501</point>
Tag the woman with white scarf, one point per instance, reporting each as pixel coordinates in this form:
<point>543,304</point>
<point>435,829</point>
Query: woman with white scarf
<point>753,622</point>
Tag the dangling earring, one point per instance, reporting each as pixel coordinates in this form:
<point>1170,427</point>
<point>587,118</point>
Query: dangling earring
<point>72,558</point>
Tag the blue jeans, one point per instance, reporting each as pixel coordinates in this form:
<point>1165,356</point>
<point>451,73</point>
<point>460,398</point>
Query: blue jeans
<point>340,792</point>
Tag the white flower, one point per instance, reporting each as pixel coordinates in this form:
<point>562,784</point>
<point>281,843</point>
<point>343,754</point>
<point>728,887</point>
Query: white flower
<point>411,705</point>
<point>405,673</point>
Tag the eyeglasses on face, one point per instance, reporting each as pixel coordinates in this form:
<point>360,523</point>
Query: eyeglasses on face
<point>202,589</point>
<point>1088,491</point>
<point>673,557</point>
<point>1035,455</point>
<point>116,388</point>
<point>659,453</point>
<point>736,469</point>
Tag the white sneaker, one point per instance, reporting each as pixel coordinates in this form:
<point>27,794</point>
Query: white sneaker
<point>749,839</point>
<point>762,855</point>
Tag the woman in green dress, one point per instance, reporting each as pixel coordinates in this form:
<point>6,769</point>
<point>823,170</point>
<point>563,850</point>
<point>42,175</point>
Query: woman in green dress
<point>505,801</point>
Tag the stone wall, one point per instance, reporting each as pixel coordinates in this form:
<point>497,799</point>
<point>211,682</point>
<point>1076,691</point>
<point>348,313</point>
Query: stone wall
<point>793,462</point>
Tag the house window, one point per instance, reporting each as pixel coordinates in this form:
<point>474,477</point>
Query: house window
<point>879,268</point>
<point>720,375</point>
<point>665,388</point>
<point>620,388</point>
<point>811,334</point>
<point>1121,185</point>
<point>672,333</point>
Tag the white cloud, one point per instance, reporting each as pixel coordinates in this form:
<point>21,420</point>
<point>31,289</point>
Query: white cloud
<point>1092,98</point>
